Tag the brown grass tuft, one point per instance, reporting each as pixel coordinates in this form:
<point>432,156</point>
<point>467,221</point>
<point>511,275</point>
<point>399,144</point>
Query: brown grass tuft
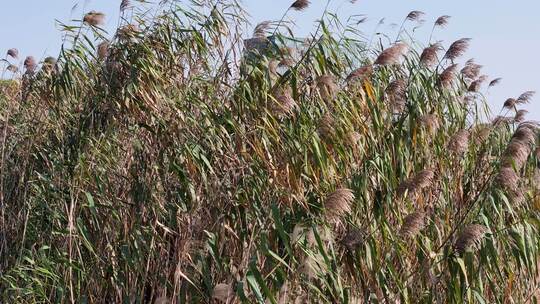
<point>397,95</point>
<point>300,5</point>
<point>94,18</point>
<point>326,126</point>
<point>124,5</point>
<point>360,73</point>
<point>495,82</point>
<point>446,78</point>
<point>413,224</point>
<point>471,70</point>
<point>459,142</point>
<point>442,21</point>
<point>14,53</point>
<point>103,50</point>
<point>457,48</point>
<point>223,292</point>
<point>353,238</point>
<point>415,15</point>
<point>525,97</point>
<point>413,185</point>
<point>509,103</point>
<point>339,202</point>
<point>428,57</point>
<point>260,29</point>
<point>470,237</point>
<point>392,55</point>
<point>30,63</point>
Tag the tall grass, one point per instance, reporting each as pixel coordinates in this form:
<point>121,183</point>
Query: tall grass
<point>170,165</point>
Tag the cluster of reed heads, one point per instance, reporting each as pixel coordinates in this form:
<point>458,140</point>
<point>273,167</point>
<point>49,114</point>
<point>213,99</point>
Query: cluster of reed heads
<point>168,165</point>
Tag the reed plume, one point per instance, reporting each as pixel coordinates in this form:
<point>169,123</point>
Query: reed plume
<point>30,63</point>
<point>442,21</point>
<point>525,97</point>
<point>392,55</point>
<point>446,78</point>
<point>353,238</point>
<point>300,5</point>
<point>260,29</point>
<point>418,182</point>
<point>103,50</point>
<point>360,73</point>
<point>414,15</point>
<point>339,202</point>
<point>13,53</point>
<point>413,224</point>
<point>94,18</point>
<point>124,5</point>
<point>326,126</point>
<point>223,292</point>
<point>520,116</point>
<point>459,142</point>
<point>495,82</point>
<point>327,86</point>
<point>397,95</point>
<point>471,70</point>
<point>428,57</point>
<point>470,238</point>
<point>457,49</point>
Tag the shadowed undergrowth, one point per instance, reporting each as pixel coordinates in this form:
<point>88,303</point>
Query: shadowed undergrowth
<point>168,164</point>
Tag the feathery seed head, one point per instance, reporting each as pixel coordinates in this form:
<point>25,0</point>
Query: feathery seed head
<point>446,78</point>
<point>397,95</point>
<point>326,126</point>
<point>413,224</point>
<point>495,82</point>
<point>415,15</point>
<point>30,63</point>
<point>392,55</point>
<point>360,73</point>
<point>124,5</point>
<point>339,202</point>
<point>508,178</point>
<point>430,122</point>
<point>300,5</point>
<point>428,57</point>
<point>469,238</point>
<point>459,142</point>
<point>327,86</point>
<point>457,48</point>
<point>223,292</point>
<point>520,116</point>
<point>442,21</point>
<point>103,50</point>
<point>525,97</point>
<point>14,53</point>
<point>509,103</point>
<point>260,29</point>
<point>94,18</point>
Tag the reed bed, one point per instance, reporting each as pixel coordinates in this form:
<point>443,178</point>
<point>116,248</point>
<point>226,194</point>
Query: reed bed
<point>171,165</point>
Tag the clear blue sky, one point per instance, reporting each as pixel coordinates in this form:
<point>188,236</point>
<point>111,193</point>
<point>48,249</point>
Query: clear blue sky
<point>506,34</point>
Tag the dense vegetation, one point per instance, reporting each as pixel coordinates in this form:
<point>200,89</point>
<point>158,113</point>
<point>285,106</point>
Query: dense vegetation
<point>170,165</point>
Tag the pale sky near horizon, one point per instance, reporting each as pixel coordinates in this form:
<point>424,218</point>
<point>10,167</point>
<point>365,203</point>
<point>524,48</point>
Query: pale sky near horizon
<point>506,34</point>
